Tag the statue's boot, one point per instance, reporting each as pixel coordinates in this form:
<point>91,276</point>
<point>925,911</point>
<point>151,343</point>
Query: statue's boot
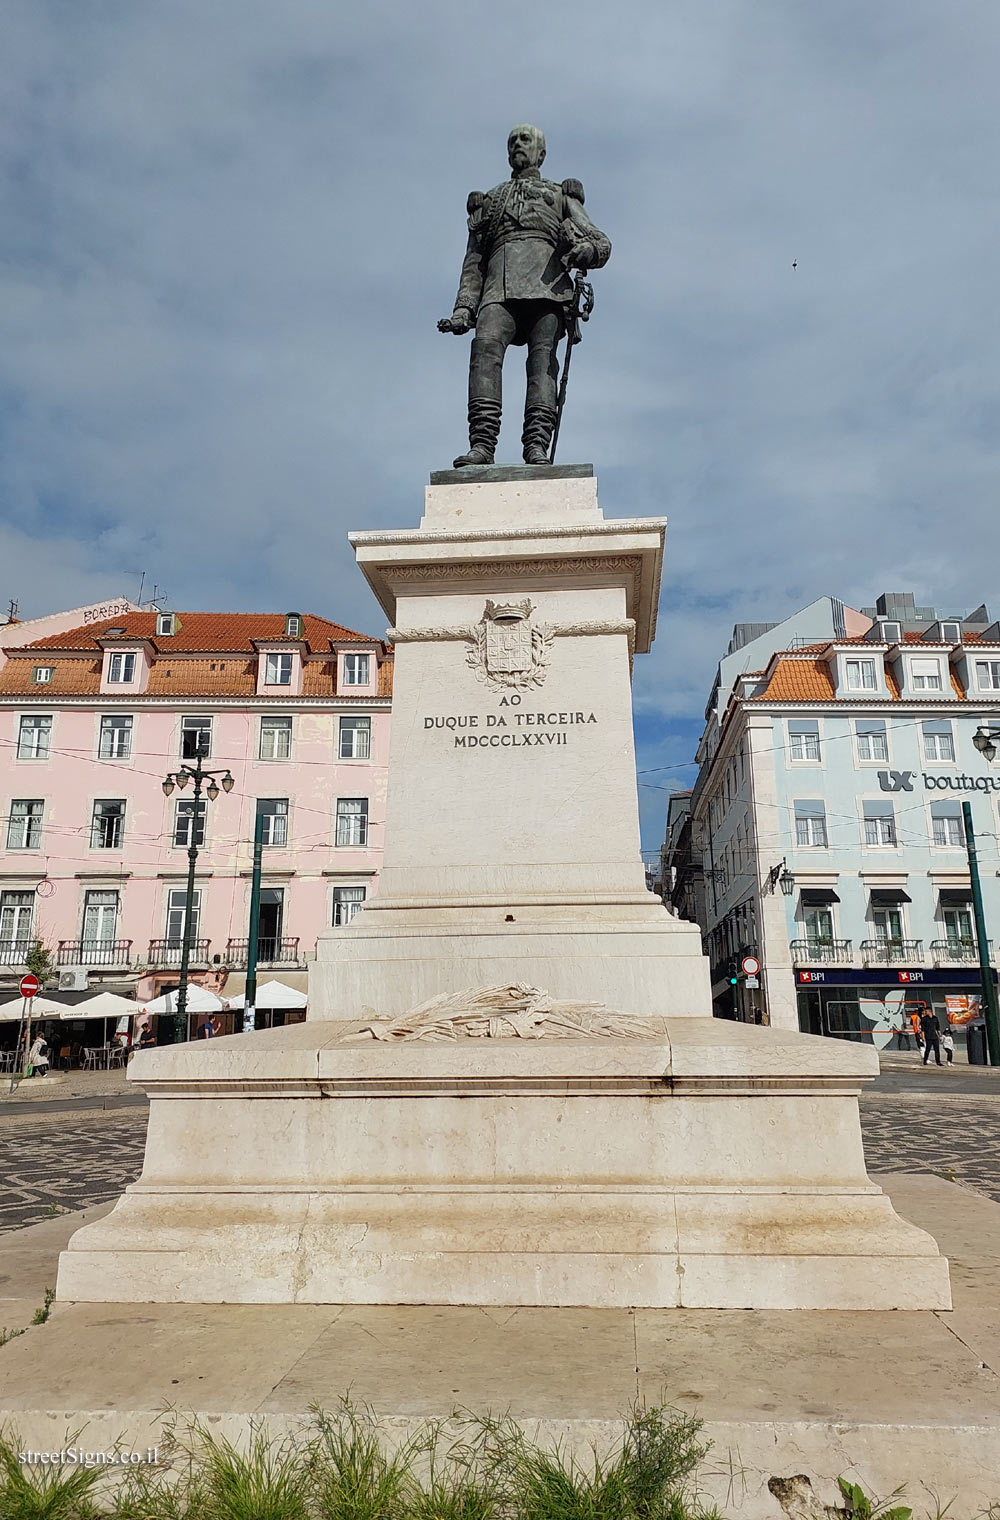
<point>484,430</point>
<point>536,439</point>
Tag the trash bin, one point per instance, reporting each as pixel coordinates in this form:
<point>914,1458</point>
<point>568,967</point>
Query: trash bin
<point>975,1036</point>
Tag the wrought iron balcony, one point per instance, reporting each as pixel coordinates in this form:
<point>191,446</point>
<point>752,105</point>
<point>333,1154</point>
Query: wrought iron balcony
<point>14,952</point>
<point>821,952</point>
<point>270,952</point>
<point>94,952</point>
<point>167,952</point>
<point>958,952</point>
<point>892,952</point>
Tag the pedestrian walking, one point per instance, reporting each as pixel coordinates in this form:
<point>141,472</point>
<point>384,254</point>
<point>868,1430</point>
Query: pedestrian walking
<point>38,1057</point>
<point>948,1045</point>
<point>932,1034</point>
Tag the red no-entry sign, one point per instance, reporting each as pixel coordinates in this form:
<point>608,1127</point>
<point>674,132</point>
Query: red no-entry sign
<point>28,985</point>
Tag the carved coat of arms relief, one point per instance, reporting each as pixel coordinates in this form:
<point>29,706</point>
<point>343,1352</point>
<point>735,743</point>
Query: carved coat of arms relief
<point>509,650</point>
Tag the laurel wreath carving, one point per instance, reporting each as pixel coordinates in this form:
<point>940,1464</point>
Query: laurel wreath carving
<point>514,1011</point>
<point>542,636</point>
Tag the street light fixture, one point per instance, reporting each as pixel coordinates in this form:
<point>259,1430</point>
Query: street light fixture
<point>786,881</point>
<point>181,777</point>
<point>985,739</point>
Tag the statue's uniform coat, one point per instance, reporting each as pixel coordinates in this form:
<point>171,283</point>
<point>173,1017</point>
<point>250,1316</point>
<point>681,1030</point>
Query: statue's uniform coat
<point>521,260</point>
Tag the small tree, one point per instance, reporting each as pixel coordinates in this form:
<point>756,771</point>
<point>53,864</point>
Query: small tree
<point>39,961</point>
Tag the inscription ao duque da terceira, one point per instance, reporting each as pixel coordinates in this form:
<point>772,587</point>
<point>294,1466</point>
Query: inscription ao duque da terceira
<point>510,730</point>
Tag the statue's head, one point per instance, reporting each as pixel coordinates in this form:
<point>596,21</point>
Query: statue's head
<point>525,148</point>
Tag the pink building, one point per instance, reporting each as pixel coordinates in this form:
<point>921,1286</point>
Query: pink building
<point>93,855</point>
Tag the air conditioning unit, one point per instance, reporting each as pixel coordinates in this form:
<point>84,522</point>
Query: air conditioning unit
<point>74,979</point>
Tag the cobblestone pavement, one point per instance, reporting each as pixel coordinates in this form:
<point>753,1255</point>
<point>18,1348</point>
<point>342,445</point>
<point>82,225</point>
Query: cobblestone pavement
<point>54,1161</point>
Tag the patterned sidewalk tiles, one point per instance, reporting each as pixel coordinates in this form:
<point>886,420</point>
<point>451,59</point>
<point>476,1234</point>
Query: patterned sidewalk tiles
<point>54,1162</point>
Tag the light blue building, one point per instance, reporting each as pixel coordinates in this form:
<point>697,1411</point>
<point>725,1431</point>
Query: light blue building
<point>827,816</point>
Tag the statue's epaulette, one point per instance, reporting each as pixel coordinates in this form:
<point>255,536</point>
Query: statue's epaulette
<point>475,201</point>
<point>574,189</point>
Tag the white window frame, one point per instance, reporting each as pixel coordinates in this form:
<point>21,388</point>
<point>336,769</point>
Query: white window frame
<point>881,931</point>
<point>344,825</point>
<point>879,830</point>
<point>354,664</point>
<point>121,667</point>
<point>345,909</point>
<point>31,823</point>
<point>278,666</point>
<point>106,731</point>
<point>988,675</point>
<point>17,914</point>
<point>96,819</point>
<point>164,625</point>
<point>275,724</point>
<point>927,679</point>
<point>826,911</point>
<point>799,746</point>
<point>946,820</point>
<point>811,831</point>
<point>347,727</point>
<point>932,742</point>
<point>42,675</point>
<point>293,625</point>
<point>177,904</point>
<point>185,808</point>
<point>861,667</point>
<point>39,725</point>
<point>92,906</point>
<point>194,723</point>
<point>279,815</point>
<point>863,740</point>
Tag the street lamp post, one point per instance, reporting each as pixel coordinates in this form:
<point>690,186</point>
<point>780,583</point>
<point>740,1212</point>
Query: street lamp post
<point>180,778</point>
<point>985,739</point>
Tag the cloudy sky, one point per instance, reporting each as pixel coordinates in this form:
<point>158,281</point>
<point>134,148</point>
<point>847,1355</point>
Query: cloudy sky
<point>228,228</point>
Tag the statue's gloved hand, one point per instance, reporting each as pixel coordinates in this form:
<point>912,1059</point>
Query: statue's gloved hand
<point>458,323</point>
<point>579,255</point>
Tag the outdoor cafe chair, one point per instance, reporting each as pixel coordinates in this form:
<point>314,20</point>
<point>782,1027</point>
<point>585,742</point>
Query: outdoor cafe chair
<point>93,1058</point>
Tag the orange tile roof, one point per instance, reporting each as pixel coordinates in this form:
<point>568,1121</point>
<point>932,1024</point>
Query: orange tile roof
<point>806,680</point>
<point>205,632</point>
<point>798,680</point>
<point>231,672</point>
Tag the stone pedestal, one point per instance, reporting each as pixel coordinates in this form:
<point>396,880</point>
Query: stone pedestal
<point>512,830</point>
<point>633,1152</point>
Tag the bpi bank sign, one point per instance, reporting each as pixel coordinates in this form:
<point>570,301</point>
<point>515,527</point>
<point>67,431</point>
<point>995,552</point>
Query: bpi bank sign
<point>902,781</point>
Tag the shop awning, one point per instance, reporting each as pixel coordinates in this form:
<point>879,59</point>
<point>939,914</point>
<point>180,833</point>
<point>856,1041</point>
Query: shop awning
<point>818,897</point>
<point>955,897</point>
<point>890,896</point>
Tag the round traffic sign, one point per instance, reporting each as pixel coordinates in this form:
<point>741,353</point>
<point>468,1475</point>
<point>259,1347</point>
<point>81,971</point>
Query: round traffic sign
<point>28,985</point>
<point>751,965</point>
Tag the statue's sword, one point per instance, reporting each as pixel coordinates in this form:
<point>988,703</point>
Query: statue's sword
<point>577,311</point>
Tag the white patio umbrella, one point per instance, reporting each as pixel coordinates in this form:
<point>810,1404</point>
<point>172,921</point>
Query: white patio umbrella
<point>41,1008</point>
<point>104,1005</point>
<point>272,994</point>
<point>199,1000</point>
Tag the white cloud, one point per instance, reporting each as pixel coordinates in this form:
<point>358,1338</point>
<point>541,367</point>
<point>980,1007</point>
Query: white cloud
<point>227,233</point>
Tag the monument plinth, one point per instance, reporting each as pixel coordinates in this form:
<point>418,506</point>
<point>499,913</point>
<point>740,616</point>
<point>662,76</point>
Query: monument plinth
<point>510,1090</point>
<point>512,829</point>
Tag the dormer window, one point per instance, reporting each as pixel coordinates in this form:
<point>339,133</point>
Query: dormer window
<point>356,669</point>
<point>42,674</point>
<point>278,670</point>
<point>165,625</point>
<point>925,675</point>
<point>888,632</point>
<point>861,675</point>
<point>951,633</point>
<point>121,669</point>
<point>293,625</point>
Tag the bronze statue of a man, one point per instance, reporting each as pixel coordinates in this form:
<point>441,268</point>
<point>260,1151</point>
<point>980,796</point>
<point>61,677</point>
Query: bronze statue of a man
<point>524,238</point>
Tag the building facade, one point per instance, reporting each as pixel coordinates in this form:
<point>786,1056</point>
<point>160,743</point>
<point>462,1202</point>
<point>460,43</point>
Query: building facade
<point>93,854</point>
<point>827,817</point>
